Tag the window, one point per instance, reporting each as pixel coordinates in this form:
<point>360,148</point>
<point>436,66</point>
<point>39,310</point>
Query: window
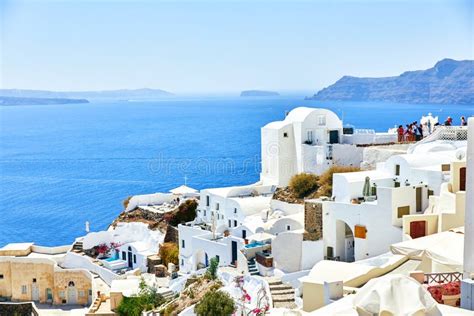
<point>397,170</point>
<point>217,206</point>
<point>124,255</point>
<point>321,120</point>
<point>430,193</point>
<point>288,227</point>
<point>34,280</point>
<point>285,135</point>
<point>204,212</point>
<point>71,284</point>
<point>81,293</point>
<point>182,244</point>
<point>134,258</point>
<point>1,276</point>
<point>23,289</point>
<point>62,294</point>
<point>218,258</point>
<point>403,210</point>
<point>129,248</point>
<point>235,223</point>
<point>244,234</point>
<point>208,200</point>
<point>445,167</point>
<point>182,262</point>
<point>235,210</point>
<point>230,223</point>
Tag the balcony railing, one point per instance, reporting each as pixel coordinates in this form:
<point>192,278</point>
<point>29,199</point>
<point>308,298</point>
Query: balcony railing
<point>441,278</point>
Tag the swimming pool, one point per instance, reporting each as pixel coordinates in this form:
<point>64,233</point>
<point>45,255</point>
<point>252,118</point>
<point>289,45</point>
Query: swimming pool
<point>110,259</point>
<point>254,244</point>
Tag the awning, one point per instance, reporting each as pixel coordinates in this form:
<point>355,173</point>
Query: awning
<point>446,248</point>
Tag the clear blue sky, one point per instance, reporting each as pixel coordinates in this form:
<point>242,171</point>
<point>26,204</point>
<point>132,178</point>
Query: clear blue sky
<point>223,46</point>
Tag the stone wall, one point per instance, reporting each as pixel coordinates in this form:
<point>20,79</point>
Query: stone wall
<point>172,235</point>
<point>313,221</point>
<point>27,279</point>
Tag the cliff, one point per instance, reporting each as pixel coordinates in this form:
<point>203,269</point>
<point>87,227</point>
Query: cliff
<point>448,82</point>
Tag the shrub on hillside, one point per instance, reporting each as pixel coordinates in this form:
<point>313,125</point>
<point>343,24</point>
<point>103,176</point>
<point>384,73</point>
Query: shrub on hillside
<point>325,179</point>
<point>169,252</point>
<point>186,212</point>
<point>215,303</point>
<point>211,272</point>
<point>147,299</point>
<point>303,184</point>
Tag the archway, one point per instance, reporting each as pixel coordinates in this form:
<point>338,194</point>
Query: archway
<point>71,293</point>
<point>345,243</point>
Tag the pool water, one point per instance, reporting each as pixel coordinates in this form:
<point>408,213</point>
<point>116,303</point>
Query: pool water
<point>254,244</point>
<point>111,259</point>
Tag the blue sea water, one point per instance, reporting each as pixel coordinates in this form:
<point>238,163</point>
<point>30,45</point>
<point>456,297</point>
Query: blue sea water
<point>63,165</point>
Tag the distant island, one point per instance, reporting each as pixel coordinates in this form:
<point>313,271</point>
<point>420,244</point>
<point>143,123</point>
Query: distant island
<point>258,93</point>
<point>122,94</point>
<point>448,82</point>
<point>38,101</point>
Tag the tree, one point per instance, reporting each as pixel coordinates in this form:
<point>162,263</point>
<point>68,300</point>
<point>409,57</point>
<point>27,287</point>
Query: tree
<point>303,184</point>
<point>216,303</point>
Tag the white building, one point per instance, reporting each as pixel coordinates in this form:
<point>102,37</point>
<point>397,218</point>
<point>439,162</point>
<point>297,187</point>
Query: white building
<point>311,140</point>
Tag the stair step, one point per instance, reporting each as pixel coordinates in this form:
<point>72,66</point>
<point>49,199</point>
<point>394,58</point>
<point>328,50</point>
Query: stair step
<point>284,298</point>
<point>289,305</point>
<point>275,282</point>
<point>282,292</point>
<point>280,287</point>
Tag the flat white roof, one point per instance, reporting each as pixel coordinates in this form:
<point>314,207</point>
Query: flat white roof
<point>17,246</point>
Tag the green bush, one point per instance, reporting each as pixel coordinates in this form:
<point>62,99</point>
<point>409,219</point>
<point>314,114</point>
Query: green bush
<point>303,184</point>
<point>147,299</point>
<point>216,303</point>
<point>211,272</point>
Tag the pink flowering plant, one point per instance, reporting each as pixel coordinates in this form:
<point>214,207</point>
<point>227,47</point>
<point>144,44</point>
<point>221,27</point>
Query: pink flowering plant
<point>102,249</point>
<point>262,304</point>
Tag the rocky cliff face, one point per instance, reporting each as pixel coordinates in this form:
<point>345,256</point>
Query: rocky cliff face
<point>448,82</point>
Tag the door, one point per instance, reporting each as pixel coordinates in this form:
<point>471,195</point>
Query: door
<point>419,201</point>
<point>130,259</point>
<point>244,234</point>
<point>71,294</point>
<point>462,179</point>
<point>49,295</point>
<point>333,137</point>
<point>34,292</point>
<point>417,229</point>
<point>234,251</point>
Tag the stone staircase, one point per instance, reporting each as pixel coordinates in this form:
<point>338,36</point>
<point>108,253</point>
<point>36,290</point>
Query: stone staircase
<point>283,295</point>
<point>252,265</point>
<point>166,293</point>
<point>77,247</point>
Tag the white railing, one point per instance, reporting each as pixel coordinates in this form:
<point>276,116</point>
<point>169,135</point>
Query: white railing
<point>450,133</point>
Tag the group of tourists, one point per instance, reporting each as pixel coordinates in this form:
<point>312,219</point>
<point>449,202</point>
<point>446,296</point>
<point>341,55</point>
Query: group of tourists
<point>416,131</point>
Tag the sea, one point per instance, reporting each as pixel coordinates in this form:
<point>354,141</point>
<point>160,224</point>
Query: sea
<point>63,165</point>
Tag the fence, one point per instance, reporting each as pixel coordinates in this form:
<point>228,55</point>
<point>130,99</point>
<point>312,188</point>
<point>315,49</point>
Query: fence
<point>440,278</point>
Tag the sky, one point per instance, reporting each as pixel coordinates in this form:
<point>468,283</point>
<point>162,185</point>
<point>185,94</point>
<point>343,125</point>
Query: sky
<point>224,46</point>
